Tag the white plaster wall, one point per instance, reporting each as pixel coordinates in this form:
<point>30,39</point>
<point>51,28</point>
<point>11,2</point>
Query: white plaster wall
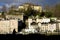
<point>38,20</point>
<point>45,20</point>
<point>52,27</point>
<point>59,25</point>
<point>29,22</point>
<point>44,27</point>
<point>39,24</point>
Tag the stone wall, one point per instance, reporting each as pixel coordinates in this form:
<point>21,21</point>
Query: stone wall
<point>14,17</point>
<point>7,26</point>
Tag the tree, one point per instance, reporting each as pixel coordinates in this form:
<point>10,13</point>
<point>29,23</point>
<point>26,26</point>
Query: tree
<point>35,13</point>
<point>12,9</point>
<point>42,14</point>
<point>55,9</point>
<point>31,12</point>
<point>28,11</point>
<point>48,14</point>
<point>21,10</point>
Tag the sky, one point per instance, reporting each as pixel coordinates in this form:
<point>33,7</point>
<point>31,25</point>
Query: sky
<point>19,2</point>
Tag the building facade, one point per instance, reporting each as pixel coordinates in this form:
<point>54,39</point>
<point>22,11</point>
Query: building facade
<point>43,25</point>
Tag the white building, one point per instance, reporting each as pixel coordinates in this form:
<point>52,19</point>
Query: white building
<point>43,24</point>
<point>52,27</point>
<point>58,25</point>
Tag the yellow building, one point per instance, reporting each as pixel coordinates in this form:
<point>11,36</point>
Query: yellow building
<point>35,7</point>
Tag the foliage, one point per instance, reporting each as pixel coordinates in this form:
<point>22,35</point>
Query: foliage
<point>21,10</point>
<point>30,12</point>
<point>55,9</point>
<point>2,13</point>
<point>48,14</point>
<point>12,10</point>
<point>42,14</point>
